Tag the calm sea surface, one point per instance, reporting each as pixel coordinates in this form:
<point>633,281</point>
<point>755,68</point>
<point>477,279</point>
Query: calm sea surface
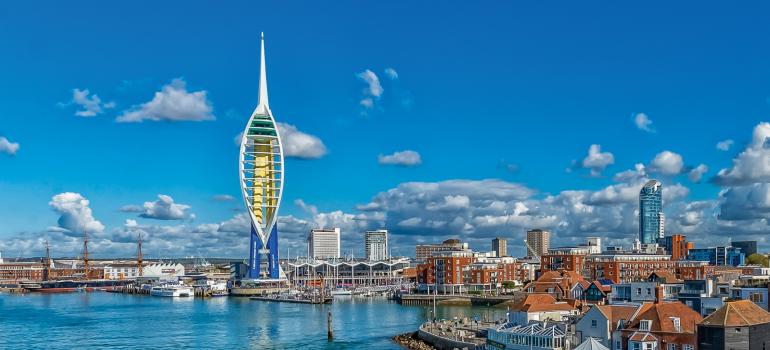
<point>119,321</point>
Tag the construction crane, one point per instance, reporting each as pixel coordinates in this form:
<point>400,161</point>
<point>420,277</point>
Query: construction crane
<point>534,252</point>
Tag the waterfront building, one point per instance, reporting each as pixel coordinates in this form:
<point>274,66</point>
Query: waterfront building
<point>376,245</point>
<point>536,335</point>
<point>121,270</point>
<point>747,247</point>
<point>564,258</point>
<point>21,271</point>
<point>541,307</point>
<point>449,269</point>
<point>736,325</point>
<point>651,218</point>
<point>704,296</point>
<point>718,256</point>
<point>677,246</point>
<point>487,274</point>
<point>659,326</point>
<point>600,321</point>
<point>693,270</point>
<point>324,243</point>
<point>621,266</point>
<point>560,284</point>
<point>757,295</point>
<point>262,173</point>
<point>500,246</point>
<point>642,292</point>
<point>425,251</point>
<point>345,272</point>
<point>538,242</point>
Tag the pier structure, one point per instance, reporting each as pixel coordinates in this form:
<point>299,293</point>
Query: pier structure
<point>261,172</point>
<point>344,272</point>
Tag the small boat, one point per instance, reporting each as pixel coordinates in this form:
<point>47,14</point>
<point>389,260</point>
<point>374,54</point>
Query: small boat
<point>340,292</point>
<point>172,290</point>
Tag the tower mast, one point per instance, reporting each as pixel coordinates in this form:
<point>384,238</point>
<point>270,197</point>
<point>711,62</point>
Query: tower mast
<point>47,271</point>
<point>85,253</point>
<point>139,255</point>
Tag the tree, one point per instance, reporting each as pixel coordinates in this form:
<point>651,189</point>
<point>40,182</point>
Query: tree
<point>758,259</point>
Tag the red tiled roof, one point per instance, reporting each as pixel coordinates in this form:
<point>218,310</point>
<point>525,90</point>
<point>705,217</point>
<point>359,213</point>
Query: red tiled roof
<point>615,313</point>
<point>643,336</point>
<point>665,276</point>
<point>661,315</point>
<point>548,307</point>
<point>737,314</point>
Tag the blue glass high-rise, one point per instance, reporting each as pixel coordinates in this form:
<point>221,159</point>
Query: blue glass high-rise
<point>651,218</point>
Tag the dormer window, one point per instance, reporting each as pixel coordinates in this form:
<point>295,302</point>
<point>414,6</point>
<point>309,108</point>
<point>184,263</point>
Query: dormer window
<point>677,324</point>
<point>645,325</point>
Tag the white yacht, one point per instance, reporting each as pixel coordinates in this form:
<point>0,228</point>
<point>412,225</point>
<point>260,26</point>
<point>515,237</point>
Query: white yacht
<point>340,292</point>
<point>172,290</point>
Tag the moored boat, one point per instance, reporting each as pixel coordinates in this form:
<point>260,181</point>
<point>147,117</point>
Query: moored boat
<point>172,290</point>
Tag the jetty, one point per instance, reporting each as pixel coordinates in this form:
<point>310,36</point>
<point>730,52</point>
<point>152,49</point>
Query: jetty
<point>295,299</point>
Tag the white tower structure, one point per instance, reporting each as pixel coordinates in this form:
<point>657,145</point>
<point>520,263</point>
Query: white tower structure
<point>261,173</point>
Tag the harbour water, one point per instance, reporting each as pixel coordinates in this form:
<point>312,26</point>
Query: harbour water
<point>122,321</point>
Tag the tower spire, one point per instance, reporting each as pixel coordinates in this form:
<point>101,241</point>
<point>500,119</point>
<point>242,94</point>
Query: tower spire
<point>263,107</point>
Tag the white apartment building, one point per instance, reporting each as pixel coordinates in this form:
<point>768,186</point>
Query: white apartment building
<point>324,243</point>
<point>376,243</point>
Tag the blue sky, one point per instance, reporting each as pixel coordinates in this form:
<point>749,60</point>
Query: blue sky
<point>512,92</point>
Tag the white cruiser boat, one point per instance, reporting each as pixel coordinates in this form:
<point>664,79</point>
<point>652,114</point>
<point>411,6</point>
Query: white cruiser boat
<point>340,292</point>
<point>172,291</point>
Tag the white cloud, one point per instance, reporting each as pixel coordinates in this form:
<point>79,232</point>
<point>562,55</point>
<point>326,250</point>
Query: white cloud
<point>172,103</point>
<point>165,209</point>
<point>298,144</point>
<point>643,122</point>
<point>596,160</point>
<point>8,147</point>
<point>373,88</point>
<point>75,214</point>
<point>746,202</point>
<point>753,164</point>
<point>391,73</point>
<point>312,209</point>
<point>373,83</point>
<point>404,158</point>
<point>223,198</point>
<point>667,163</point>
<point>725,145</point>
<point>696,174</point>
<point>367,102</point>
<point>90,104</point>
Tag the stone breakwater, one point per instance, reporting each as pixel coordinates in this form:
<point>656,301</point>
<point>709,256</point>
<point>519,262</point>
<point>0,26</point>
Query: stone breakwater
<point>411,342</point>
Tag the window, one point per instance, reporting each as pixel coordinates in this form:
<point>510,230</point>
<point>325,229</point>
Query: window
<point>593,323</point>
<point>645,325</point>
<point>671,346</point>
<point>677,324</point>
<point>756,297</point>
<point>688,347</point>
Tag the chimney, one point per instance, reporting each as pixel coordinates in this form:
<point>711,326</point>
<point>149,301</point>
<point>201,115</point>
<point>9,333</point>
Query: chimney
<point>658,294</point>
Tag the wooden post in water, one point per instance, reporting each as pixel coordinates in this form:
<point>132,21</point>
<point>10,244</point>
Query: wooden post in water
<point>329,329</point>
